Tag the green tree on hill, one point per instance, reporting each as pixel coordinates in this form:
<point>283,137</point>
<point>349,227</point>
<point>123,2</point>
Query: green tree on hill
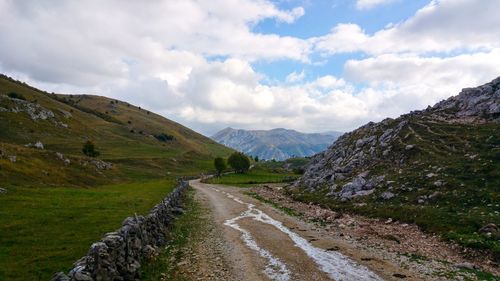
<point>220,165</point>
<point>89,149</point>
<point>239,162</point>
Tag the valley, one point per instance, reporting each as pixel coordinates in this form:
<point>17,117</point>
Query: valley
<point>228,140</point>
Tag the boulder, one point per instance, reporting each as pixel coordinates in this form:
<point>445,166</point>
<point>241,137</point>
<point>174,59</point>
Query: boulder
<point>387,195</point>
<point>409,147</point>
<point>490,228</point>
<point>465,265</point>
<point>438,183</point>
<point>38,145</point>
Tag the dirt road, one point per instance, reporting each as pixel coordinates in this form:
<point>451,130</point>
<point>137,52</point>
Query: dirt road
<point>266,244</point>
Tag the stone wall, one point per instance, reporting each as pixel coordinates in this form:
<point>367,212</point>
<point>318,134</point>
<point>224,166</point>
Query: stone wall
<point>119,254</point>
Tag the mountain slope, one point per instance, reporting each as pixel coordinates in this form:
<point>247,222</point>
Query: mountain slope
<point>138,143</point>
<point>439,168</point>
<point>278,144</point>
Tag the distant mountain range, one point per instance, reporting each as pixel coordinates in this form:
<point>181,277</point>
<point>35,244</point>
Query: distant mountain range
<point>278,144</point>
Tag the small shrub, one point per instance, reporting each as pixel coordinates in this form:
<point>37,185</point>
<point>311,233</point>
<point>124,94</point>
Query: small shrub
<point>89,149</point>
<point>15,95</point>
<point>164,137</point>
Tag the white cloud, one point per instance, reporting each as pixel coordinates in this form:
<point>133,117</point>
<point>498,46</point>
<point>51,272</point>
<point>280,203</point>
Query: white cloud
<point>466,69</point>
<point>369,4</point>
<point>86,43</point>
<point>440,26</point>
<point>192,60</point>
<point>295,77</point>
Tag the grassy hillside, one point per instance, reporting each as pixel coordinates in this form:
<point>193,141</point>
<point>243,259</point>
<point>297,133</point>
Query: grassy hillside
<point>438,168</point>
<point>449,183</point>
<point>139,143</point>
<point>58,200</point>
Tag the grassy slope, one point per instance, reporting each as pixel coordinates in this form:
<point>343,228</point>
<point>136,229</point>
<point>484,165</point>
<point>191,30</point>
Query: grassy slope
<point>52,212</point>
<point>135,155</point>
<point>468,200</point>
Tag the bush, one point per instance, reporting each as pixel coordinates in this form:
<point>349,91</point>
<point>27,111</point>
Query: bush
<point>15,95</point>
<point>89,149</point>
<point>239,162</point>
<point>164,137</point>
<point>220,165</point>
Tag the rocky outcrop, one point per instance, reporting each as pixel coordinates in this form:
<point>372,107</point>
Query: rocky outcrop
<point>345,167</point>
<point>472,104</point>
<point>99,164</point>
<point>34,110</point>
<point>118,255</point>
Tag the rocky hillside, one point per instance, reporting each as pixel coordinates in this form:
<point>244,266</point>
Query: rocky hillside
<point>439,167</point>
<point>41,138</point>
<point>278,144</point>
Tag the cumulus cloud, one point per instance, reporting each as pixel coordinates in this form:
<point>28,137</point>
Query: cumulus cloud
<point>193,61</point>
<point>85,43</point>
<point>441,26</point>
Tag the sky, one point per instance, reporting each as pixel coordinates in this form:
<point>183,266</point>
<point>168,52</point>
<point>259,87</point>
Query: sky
<point>308,65</point>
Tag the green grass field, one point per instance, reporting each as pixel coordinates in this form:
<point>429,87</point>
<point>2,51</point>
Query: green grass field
<point>53,211</point>
<point>44,230</point>
<point>252,177</point>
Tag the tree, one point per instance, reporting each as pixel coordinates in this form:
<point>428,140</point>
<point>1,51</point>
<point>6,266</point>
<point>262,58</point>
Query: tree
<point>256,158</point>
<point>89,149</point>
<point>220,165</point>
<point>239,162</point>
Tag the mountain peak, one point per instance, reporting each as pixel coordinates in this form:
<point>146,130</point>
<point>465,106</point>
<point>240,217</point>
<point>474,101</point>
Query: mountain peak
<point>278,144</point>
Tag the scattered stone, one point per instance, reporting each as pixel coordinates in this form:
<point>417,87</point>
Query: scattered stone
<point>38,145</point>
<point>13,159</point>
<point>490,230</point>
<point>3,190</point>
<point>61,157</point>
<point>387,195</point>
<point>101,165</point>
<point>409,147</point>
<point>433,195</point>
<point>438,183</point>
<point>465,265</point>
<point>430,175</point>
